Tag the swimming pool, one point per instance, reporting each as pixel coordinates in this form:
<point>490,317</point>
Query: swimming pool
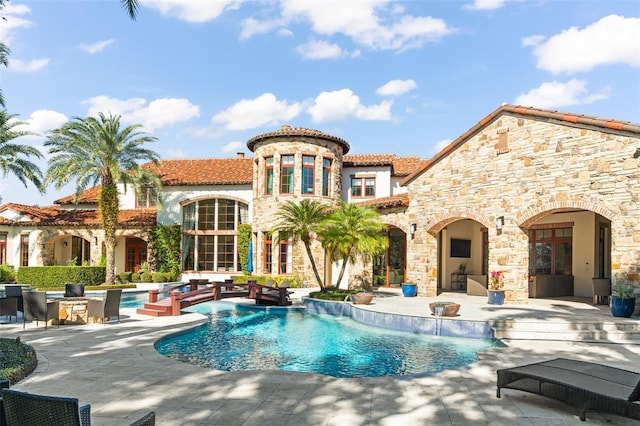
<point>245,338</point>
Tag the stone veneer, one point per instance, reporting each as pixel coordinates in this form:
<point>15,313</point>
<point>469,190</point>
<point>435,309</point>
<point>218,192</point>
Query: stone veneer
<point>297,142</point>
<point>525,169</point>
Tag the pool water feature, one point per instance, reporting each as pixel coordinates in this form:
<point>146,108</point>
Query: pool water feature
<point>245,338</point>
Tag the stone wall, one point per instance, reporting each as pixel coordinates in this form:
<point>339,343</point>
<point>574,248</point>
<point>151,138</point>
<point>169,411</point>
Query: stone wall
<point>524,169</point>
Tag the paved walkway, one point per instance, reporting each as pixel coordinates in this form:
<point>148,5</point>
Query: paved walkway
<point>115,368</point>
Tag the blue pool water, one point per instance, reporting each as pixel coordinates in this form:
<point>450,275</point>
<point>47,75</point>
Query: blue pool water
<point>243,338</point>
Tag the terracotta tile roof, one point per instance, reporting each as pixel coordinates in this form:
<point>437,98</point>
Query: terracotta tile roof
<point>606,124</point>
<point>212,171</point>
<point>54,215</point>
<point>398,200</point>
<point>401,166</point>
<point>88,196</point>
<point>288,131</point>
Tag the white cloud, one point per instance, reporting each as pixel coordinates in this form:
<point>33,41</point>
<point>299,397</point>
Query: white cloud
<point>96,47</point>
<point>14,20</point>
<point>396,87</point>
<point>533,40</point>
<point>33,65</point>
<point>485,5</point>
<point>157,114</point>
<point>266,109</point>
<point>613,39</point>
<point>344,104</point>
<point>555,94</point>
<point>252,26</point>
<point>43,120</point>
<point>197,11</point>
<point>236,146</point>
<point>320,50</point>
<point>177,153</point>
<point>376,25</point>
<point>440,145</point>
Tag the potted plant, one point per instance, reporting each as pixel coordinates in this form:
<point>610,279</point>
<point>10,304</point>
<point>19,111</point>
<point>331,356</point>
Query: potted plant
<point>495,291</point>
<point>409,289</point>
<point>623,302</point>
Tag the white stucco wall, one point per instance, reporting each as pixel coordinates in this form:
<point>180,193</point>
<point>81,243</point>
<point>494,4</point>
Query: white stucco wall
<point>382,176</point>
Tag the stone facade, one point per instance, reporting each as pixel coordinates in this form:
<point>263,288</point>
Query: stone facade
<point>525,169</point>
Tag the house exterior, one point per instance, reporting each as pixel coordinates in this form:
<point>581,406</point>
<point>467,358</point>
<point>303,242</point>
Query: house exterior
<point>549,198</point>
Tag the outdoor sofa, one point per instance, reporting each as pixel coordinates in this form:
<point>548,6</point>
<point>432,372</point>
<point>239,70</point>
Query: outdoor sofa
<point>585,385</point>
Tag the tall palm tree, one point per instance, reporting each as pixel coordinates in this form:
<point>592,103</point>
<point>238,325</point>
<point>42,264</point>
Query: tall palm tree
<point>14,158</point>
<point>301,222</point>
<point>97,151</point>
<point>353,230</point>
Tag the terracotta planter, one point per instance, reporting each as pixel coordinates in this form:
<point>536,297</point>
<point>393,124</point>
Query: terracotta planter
<point>362,298</point>
<point>444,309</point>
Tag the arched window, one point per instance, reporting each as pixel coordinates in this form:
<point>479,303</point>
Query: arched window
<point>210,234</point>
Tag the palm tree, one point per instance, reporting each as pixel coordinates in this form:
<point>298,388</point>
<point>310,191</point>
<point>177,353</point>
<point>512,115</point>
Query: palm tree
<point>96,151</point>
<point>131,6</point>
<point>14,157</point>
<point>301,222</point>
<point>4,60</point>
<point>353,230</point>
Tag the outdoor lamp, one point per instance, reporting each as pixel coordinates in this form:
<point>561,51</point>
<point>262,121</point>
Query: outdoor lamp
<point>412,228</point>
<point>499,222</point>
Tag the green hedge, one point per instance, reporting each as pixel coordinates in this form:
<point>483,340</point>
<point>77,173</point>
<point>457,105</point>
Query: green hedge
<point>58,276</point>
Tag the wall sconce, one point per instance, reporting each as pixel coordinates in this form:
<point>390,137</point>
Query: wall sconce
<point>412,228</point>
<point>65,244</point>
<point>499,222</point>
<point>95,240</point>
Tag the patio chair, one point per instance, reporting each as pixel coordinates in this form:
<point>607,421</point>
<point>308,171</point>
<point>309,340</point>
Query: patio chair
<point>74,290</point>
<point>15,291</point>
<point>36,307</point>
<point>22,408</point>
<point>9,307</point>
<point>105,308</point>
<point>585,385</point>
<point>148,419</point>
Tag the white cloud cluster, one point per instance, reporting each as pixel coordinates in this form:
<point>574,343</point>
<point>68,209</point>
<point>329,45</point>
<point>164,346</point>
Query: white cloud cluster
<point>555,94</point>
<point>320,50</point>
<point>96,47</point>
<point>14,14</point>
<point>154,115</point>
<point>43,120</point>
<point>196,11</point>
<point>396,87</point>
<point>266,109</point>
<point>613,39</point>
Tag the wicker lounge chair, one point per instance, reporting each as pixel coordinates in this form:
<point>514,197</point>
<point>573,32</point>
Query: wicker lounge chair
<point>9,307</point>
<point>148,419</point>
<point>23,408</point>
<point>15,291</point>
<point>585,385</point>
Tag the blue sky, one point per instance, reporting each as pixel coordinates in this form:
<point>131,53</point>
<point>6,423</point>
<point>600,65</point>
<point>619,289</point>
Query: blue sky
<point>387,76</point>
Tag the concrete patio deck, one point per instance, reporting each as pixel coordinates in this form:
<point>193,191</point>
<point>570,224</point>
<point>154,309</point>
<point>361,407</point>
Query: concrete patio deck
<point>115,368</point>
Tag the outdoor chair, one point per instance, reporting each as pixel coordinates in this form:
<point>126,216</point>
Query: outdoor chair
<point>36,307</point>
<point>74,290</point>
<point>105,308</point>
<point>148,419</point>
<point>22,408</point>
<point>15,291</point>
<point>585,385</point>
<point>9,307</point>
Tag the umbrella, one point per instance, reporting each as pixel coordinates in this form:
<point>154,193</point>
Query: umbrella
<point>250,258</point>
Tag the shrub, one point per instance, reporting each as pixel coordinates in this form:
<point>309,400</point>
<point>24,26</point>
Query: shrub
<point>146,277</point>
<point>124,277</point>
<point>135,277</point>
<point>17,360</point>
<point>57,276</point>
<point>160,277</point>
<point>7,273</point>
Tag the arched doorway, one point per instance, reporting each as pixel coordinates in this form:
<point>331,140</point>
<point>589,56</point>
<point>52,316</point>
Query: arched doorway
<point>389,268</point>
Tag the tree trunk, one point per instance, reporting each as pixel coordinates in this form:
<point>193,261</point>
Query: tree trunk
<point>109,211</point>
<point>307,246</point>
<point>342,269</point>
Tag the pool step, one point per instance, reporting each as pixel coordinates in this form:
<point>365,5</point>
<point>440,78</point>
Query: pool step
<point>155,310</point>
<point>622,331</point>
